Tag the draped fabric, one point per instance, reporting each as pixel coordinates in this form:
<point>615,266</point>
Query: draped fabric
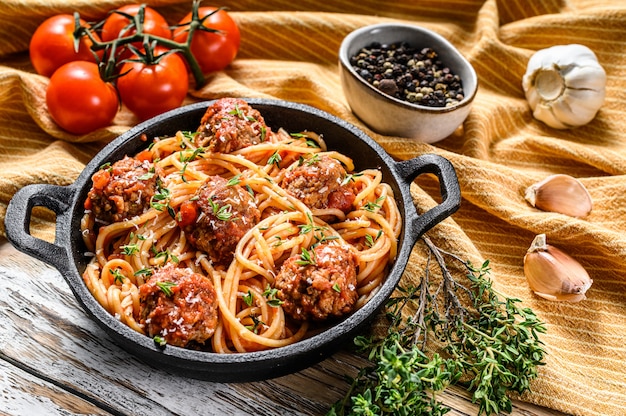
<point>289,51</point>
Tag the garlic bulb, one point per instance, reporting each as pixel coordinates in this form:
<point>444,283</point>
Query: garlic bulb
<point>560,193</point>
<point>564,85</point>
<point>553,274</point>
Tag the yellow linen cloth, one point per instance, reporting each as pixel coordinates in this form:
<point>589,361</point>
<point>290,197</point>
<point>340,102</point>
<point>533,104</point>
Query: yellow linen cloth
<point>289,51</point>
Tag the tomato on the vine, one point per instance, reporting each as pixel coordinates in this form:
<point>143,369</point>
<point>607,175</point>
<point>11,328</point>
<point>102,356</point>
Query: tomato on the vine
<point>116,23</point>
<point>79,100</point>
<point>213,51</point>
<point>52,44</point>
<point>149,89</point>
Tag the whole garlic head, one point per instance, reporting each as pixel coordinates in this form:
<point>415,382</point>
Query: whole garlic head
<point>564,85</point>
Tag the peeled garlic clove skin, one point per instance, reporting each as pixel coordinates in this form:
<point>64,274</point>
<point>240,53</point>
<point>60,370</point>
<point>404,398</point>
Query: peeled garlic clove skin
<point>553,274</point>
<point>560,193</point>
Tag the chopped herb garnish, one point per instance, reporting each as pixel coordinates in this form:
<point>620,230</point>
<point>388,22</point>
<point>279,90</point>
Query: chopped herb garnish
<point>189,135</point>
<point>272,300</point>
<point>138,236</point>
<point>159,341</point>
<point>257,323</point>
<point>248,298</point>
<point>323,238</point>
<point>373,206</point>
<point>312,160</point>
<point>350,178</point>
<point>369,240</point>
<point>117,275</point>
<point>130,249</point>
<point>237,112</point>
<point>307,228</point>
<point>160,199</point>
<point>306,258</point>
<point>223,213</point>
<point>144,272</point>
<point>146,176</point>
<point>166,287</point>
<point>336,288</point>
<point>275,159</point>
<point>235,180</point>
<point>171,211</point>
<point>185,159</point>
<point>166,256</point>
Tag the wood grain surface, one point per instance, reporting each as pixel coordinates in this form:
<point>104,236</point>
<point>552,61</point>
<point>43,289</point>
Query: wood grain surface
<point>55,361</point>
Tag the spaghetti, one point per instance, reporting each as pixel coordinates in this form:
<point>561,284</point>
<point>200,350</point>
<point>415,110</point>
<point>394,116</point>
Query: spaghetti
<point>308,244</point>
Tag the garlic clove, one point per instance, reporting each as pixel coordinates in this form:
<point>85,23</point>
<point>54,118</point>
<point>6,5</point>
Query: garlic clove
<point>560,193</point>
<point>577,106</point>
<point>586,78</point>
<point>553,274</point>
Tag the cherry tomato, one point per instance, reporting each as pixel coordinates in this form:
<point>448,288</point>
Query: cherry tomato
<point>187,214</point>
<point>52,44</point>
<point>145,155</point>
<point>79,100</point>
<point>115,25</point>
<point>151,89</point>
<point>213,51</point>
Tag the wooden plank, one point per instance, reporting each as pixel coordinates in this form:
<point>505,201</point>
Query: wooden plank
<point>22,393</point>
<point>55,360</point>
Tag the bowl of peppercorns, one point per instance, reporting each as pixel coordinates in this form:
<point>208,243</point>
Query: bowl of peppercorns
<point>407,81</point>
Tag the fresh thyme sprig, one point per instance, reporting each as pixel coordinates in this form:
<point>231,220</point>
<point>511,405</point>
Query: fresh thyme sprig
<point>490,344</point>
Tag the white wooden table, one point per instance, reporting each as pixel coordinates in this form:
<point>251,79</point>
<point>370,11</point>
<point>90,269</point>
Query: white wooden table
<point>55,361</point>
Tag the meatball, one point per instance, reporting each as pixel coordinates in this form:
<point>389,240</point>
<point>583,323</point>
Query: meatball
<point>231,124</point>
<point>178,305</point>
<point>317,182</point>
<point>324,288</point>
<point>122,191</point>
<point>226,213</point>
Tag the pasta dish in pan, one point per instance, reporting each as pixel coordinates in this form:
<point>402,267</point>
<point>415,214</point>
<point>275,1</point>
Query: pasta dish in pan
<point>236,237</point>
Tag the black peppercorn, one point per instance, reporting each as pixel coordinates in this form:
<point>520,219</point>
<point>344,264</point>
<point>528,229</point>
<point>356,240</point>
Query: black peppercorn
<point>409,74</point>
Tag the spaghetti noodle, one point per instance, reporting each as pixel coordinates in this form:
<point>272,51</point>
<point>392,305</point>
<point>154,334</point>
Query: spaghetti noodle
<point>290,214</point>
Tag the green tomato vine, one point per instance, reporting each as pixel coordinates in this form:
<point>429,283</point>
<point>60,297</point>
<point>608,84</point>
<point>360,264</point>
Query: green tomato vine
<point>110,61</point>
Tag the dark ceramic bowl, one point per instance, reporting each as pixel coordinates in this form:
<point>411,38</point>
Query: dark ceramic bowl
<point>67,252</point>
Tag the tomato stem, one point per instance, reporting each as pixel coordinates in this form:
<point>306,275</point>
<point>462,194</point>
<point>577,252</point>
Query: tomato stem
<point>112,46</point>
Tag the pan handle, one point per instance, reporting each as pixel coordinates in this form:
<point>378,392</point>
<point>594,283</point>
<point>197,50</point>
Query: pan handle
<point>449,187</point>
<point>17,222</point>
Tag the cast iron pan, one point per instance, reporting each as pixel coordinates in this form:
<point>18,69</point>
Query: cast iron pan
<point>67,252</point>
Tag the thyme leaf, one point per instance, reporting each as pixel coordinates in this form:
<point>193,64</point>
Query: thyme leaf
<point>275,159</point>
<point>306,258</point>
<point>270,294</point>
<point>222,213</point>
<point>166,287</point>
